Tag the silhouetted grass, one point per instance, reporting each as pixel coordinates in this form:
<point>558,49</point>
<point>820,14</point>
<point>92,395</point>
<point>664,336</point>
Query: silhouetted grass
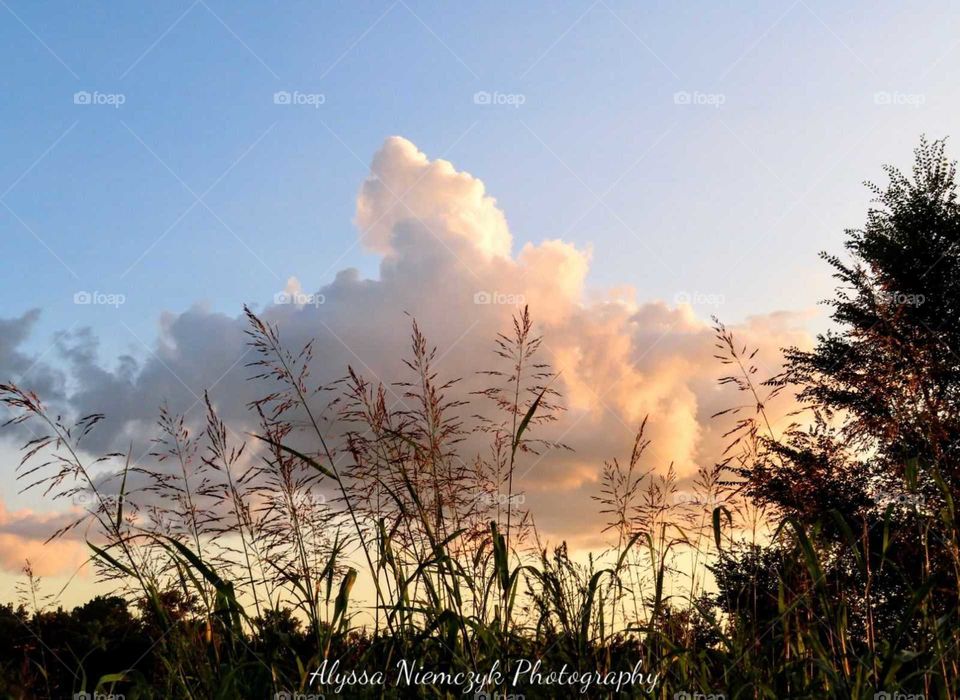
<point>234,570</point>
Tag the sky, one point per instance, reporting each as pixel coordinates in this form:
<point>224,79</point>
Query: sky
<point>629,168</point>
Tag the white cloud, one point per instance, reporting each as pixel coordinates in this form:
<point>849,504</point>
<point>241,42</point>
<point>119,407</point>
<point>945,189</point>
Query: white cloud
<point>405,186</point>
<point>445,247</point>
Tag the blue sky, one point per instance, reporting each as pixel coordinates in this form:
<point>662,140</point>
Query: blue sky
<point>734,199</point>
<point>700,151</point>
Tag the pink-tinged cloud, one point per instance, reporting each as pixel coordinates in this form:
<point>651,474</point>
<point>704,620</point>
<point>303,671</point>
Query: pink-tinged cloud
<point>22,536</point>
<point>448,260</point>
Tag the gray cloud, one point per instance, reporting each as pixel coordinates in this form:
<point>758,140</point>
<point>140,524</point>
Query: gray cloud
<point>446,260</point>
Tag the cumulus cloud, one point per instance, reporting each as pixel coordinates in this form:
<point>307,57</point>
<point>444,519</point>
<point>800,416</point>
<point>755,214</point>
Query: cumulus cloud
<point>404,186</point>
<point>17,365</point>
<point>448,260</point>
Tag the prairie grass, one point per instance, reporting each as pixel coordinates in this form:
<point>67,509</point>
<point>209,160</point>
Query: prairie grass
<point>235,561</point>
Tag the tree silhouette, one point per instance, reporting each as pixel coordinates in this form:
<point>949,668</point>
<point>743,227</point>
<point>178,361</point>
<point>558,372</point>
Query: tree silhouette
<point>877,463</point>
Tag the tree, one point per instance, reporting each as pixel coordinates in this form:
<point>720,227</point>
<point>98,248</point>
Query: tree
<point>892,369</point>
<point>884,385</point>
<point>872,476</point>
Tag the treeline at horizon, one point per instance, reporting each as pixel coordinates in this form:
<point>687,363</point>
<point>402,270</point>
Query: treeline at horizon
<point>818,560</point>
